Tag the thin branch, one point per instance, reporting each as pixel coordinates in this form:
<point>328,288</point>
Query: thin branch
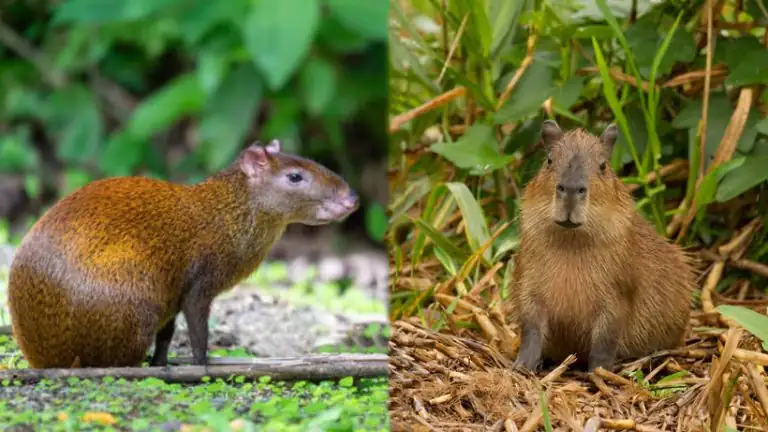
<point>119,101</point>
<point>20,46</point>
<point>310,368</point>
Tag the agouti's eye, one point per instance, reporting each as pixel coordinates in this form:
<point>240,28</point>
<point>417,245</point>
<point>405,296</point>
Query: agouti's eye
<point>295,177</point>
<point>549,159</point>
<point>603,166</point>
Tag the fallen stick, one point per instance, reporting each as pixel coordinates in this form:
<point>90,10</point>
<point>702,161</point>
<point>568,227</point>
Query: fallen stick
<point>309,368</point>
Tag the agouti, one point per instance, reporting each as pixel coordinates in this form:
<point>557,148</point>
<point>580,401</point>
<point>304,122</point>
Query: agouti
<point>593,278</point>
<point>108,268</point>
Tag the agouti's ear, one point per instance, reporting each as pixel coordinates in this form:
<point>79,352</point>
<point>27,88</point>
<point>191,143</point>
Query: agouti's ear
<point>254,160</point>
<point>608,138</point>
<point>273,146</point>
<point>550,133</point>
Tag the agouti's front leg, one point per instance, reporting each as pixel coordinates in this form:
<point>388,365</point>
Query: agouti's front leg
<point>196,309</point>
<point>605,342</point>
<point>531,346</point>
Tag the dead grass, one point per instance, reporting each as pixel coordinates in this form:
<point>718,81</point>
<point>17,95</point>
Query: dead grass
<point>440,381</point>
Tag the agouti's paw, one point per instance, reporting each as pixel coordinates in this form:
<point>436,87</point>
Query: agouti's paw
<point>529,364</point>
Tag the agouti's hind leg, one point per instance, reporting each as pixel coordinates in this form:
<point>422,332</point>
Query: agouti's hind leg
<point>162,343</point>
<point>531,347</point>
<point>604,343</point>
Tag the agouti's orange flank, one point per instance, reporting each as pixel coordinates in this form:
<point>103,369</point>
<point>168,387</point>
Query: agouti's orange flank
<point>107,269</point>
<point>592,277</point>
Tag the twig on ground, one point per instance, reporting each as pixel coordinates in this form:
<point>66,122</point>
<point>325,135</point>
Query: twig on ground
<point>758,383</point>
<point>309,368</point>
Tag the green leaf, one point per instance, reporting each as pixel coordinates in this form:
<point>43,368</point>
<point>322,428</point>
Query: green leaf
<point>638,132</point>
<point>367,18</point>
<point>182,96</point>
<point>440,240</point>
<point>82,136</point>
<point>568,93</point>
<point>336,37</point>
<point>753,322</point>
<point>600,32</point>
<point>504,15</point>
<point>762,126</point>
<point>477,34</point>
<point>278,36</point>
<point>535,87</point>
<point>746,58</point>
<point>74,179</point>
<point>107,11</point>
<point>476,149</point>
<point>749,174</point>
<point>718,116</point>
<point>709,185</point>
<point>318,84</point>
<point>16,152</point>
<point>609,91</point>
<point>229,114</point>
<point>645,41</point>
<point>121,154</point>
<point>474,220</point>
<point>211,69</point>
<point>750,72</point>
<point>73,116</point>
<point>197,17</point>
<point>376,221</point>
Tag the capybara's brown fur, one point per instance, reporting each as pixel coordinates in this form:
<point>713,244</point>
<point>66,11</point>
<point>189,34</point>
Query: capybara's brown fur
<point>592,277</point>
<point>107,269</point>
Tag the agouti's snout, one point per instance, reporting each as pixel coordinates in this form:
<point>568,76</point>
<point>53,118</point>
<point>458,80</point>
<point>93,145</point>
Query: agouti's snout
<point>350,202</point>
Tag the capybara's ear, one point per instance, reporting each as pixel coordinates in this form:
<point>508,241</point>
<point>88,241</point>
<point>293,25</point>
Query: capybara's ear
<point>608,138</point>
<point>550,133</point>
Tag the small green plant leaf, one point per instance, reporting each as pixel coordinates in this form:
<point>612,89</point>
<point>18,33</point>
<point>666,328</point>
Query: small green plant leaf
<point>228,115</point>
<point>535,86</point>
<point>366,18</point>
<point>750,173</point>
<point>106,11</point>
<point>441,240</point>
<point>709,186</point>
<point>318,84</point>
<point>568,93</point>
<point>476,149</point>
<point>278,36</point>
<point>474,219</point>
<point>376,221</point>
<point>753,322</point>
<point>182,96</point>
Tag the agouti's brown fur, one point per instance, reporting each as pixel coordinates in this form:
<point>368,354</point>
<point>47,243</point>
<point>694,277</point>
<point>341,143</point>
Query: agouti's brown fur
<point>593,278</point>
<point>107,269</point>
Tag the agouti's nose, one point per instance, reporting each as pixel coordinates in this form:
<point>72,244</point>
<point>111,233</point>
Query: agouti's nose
<point>576,189</point>
<point>350,201</point>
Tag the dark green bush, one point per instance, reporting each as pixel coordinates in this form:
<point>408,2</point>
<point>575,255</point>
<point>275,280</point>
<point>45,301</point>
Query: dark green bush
<point>175,88</point>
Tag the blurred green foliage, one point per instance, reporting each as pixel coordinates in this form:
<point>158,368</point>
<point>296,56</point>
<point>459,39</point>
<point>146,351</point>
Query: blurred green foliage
<point>175,88</point>
<point>482,75</point>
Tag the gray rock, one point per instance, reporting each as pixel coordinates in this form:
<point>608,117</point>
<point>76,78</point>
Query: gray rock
<point>6,255</point>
